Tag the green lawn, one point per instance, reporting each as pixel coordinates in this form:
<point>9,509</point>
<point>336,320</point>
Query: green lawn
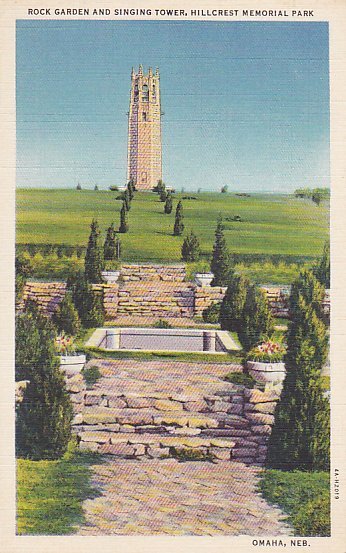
<point>271,224</point>
<point>304,496</point>
<point>50,494</point>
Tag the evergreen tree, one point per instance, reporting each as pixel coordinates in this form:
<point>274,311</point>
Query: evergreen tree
<point>163,195</point>
<point>96,313</point>
<point>301,434</point>
<point>178,223</point>
<point>220,264</point>
<point>256,321</point>
<point>232,305</point>
<point>310,289</point>
<point>43,418</point>
<point>160,186</point>
<point>130,189</point>
<point>78,187</point>
<point>110,248</point>
<point>190,250</point>
<point>66,317</point>
<point>322,270</point>
<point>124,226</point>
<point>88,302</point>
<point>169,203</point>
<point>127,200</point>
<point>96,188</point>
<point>94,262</point>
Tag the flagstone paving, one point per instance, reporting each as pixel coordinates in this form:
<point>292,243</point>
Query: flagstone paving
<point>149,497</point>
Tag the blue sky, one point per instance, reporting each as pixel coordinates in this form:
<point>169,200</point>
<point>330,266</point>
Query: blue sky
<point>246,104</point>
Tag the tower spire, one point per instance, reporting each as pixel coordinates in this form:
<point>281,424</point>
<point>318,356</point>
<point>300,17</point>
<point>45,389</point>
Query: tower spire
<point>144,156</point>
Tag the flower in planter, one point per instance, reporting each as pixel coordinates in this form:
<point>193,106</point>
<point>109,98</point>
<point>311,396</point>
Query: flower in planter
<point>267,352</point>
<point>64,345</point>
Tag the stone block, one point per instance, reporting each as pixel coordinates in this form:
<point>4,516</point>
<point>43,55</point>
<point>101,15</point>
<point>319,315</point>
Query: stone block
<point>139,402</point>
<point>261,429</point>
<point>195,422</point>
<point>244,452</point>
<point>77,419</point>
<point>257,396</point>
<point>120,450</point>
<point>98,437</point>
<point>260,418</point>
<point>157,452</point>
<point>215,442</point>
<point>89,446</point>
<point>170,420</point>
<point>267,408</point>
<point>116,402</point>
<point>220,453</point>
<point>75,384</point>
<point>245,460</point>
<point>139,449</point>
<point>92,398</point>
<point>219,406</point>
<point>235,409</point>
<point>185,431</point>
<point>200,405</point>
<point>77,397</point>
<point>127,428</point>
<point>167,405</point>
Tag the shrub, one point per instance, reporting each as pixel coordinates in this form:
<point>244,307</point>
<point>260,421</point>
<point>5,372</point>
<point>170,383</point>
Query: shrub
<point>91,375</point>
<point>66,317</point>
<point>162,323</point>
<point>179,217</point>
<point>190,250</point>
<point>220,264</point>
<point>114,188</point>
<point>169,204</point>
<point>124,226</point>
<point>110,248</point>
<point>232,305</point>
<point>301,433</point>
<point>96,313</point>
<point>191,454</point>
<point>211,313</point>
<point>242,379</point>
<point>257,321</point>
<point>322,270</point>
<point>224,189</point>
<point>94,262</point>
<point>43,420</point>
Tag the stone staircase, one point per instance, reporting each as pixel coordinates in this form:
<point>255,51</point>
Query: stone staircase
<point>157,410</point>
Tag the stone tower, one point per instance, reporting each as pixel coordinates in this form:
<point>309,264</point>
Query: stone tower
<point>144,158</point>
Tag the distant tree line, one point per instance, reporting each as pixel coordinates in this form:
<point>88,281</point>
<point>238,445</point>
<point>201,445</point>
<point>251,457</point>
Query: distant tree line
<point>317,195</point>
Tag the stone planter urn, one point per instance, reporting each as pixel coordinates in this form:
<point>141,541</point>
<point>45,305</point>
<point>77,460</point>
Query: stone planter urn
<point>72,364</point>
<point>110,276</point>
<point>271,375</point>
<point>203,279</point>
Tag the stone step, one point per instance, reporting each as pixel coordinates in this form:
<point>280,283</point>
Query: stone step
<point>154,446</point>
<point>148,416</point>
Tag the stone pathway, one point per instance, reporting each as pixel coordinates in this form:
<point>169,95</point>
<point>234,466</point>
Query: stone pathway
<point>146,497</point>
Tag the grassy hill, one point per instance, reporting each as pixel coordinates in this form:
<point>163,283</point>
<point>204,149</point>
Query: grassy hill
<point>271,224</point>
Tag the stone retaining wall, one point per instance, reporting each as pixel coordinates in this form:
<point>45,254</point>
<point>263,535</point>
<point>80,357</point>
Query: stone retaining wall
<point>156,299</point>
<point>151,272</point>
<point>207,295</point>
<point>233,425</point>
<point>157,291</point>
